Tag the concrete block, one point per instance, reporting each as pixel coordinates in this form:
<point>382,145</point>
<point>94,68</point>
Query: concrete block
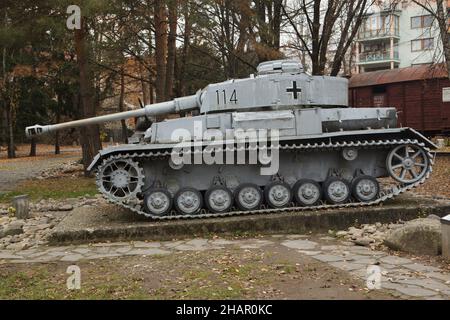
<point>22,206</point>
<point>108,222</point>
<point>445,223</point>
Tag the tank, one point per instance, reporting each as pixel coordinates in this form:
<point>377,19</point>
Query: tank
<point>277,141</point>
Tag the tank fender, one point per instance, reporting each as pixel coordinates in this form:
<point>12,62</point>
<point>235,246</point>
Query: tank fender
<point>94,162</point>
<point>407,133</point>
<point>428,143</point>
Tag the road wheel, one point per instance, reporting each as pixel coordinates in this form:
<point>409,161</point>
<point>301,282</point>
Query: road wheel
<point>365,188</point>
<point>188,201</point>
<point>278,194</point>
<point>219,199</point>
<point>336,190</point>
<point>307,192</point>
<point>158,201</point>
<point>248,196</point>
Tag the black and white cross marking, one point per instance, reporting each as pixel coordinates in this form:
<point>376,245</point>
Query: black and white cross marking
<point>295,91</point>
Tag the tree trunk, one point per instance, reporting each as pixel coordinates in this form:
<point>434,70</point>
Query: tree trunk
<point>315,35</point>
<point>321,27</point>
<point>260,7</point>
<point>186,39</point>
<point>160,49</point>
<point>11,145</point>
<point>3,125</point>
<point>348,33</point>
<point>276,29</point>
<point>441,14</point>
<point>58,118</point>
<point>150,84</point>
<point>121,106</point>
<point>33,147</point>
<point>171,49</point>
<point>152,94</point>
<point>443,29</point>
<point>57,147</point>
<point>144,86</point>
<point>90,137</point>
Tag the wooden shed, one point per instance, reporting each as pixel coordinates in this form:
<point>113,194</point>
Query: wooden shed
<point>421,95</point>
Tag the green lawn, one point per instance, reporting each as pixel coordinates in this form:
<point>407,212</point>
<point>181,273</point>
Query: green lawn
<point>56,188</point>
<point>42,282</point>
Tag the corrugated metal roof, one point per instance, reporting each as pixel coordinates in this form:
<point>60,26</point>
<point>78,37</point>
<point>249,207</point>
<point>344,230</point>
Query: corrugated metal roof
<point>398,75</point>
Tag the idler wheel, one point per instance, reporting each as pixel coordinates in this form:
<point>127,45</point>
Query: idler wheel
<point>248,196</point>
<point>336,190</point>
<point>307,192</point>
<point>219,199</point>
<point>365,188</point>
<point>278,194</point>
<point>407,163</point>
<point>158,201</point>
<point>188,201</point>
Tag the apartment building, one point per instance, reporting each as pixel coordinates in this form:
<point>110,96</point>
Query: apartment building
<point>397,35</point>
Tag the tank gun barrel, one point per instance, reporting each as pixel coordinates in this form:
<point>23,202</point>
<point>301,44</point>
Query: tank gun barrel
<point>176,105</point>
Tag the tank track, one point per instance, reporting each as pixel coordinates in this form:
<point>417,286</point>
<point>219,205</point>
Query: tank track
<point>384,195</point>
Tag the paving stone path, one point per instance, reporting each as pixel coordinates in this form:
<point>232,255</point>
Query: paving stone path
<point>404,277</point>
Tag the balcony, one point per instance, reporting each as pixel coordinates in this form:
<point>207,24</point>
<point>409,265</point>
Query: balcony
<point>377,57</point>
<point>377,34</point>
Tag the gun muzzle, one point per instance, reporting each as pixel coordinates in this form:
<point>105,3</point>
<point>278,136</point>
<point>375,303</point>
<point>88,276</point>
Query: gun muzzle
<point>35,130</point>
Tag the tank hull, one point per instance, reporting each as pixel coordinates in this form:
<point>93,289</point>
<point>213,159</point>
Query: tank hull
<point>318,158</point>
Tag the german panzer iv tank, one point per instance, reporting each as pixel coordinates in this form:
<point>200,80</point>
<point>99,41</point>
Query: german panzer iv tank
<point>316,152</point>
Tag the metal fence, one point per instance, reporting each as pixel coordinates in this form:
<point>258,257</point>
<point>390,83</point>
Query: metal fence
<point>378,33</point>
<point>373,56</point>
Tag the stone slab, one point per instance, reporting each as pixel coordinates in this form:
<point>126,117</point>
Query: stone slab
<point>445,225</point>
<point>300,244</point>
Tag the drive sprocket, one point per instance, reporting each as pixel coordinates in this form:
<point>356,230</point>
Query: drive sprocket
<point>120,179</point>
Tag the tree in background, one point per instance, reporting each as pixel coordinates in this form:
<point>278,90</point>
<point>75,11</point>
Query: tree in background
<point>90,139</point>
<point>268,21</point>
<point>171,48</point>
<point>156,49</point>
<point>34,55</point>
<point>20,43</point>
<point>160,15</point>
<point>440,12</point>
<point>328,26</point>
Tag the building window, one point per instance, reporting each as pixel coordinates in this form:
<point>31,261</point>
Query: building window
<point>415,22</point>
<point>427,21</point>
<point>422,44</point>
<point>379,26</point>
<point>421,21</point>
<point>428,44</point>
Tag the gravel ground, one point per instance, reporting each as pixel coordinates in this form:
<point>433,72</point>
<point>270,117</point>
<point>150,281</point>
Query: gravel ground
<point>23,150</point>
<point>13,171</point>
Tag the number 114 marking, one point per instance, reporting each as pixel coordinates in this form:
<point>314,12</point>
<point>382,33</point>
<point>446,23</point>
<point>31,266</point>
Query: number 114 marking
<point>233,97</point>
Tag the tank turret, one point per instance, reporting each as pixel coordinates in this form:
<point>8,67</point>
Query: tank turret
<point>309,150</point>
<point>278,85</point>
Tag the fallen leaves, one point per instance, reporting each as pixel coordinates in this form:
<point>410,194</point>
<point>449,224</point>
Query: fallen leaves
<point>439,182</point>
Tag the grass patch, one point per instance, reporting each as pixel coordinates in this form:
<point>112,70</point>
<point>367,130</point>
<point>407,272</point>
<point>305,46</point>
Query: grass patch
<point>214,275</point>
<point>57,188</point>
<point>202,284</point>
<point>39,283</point>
